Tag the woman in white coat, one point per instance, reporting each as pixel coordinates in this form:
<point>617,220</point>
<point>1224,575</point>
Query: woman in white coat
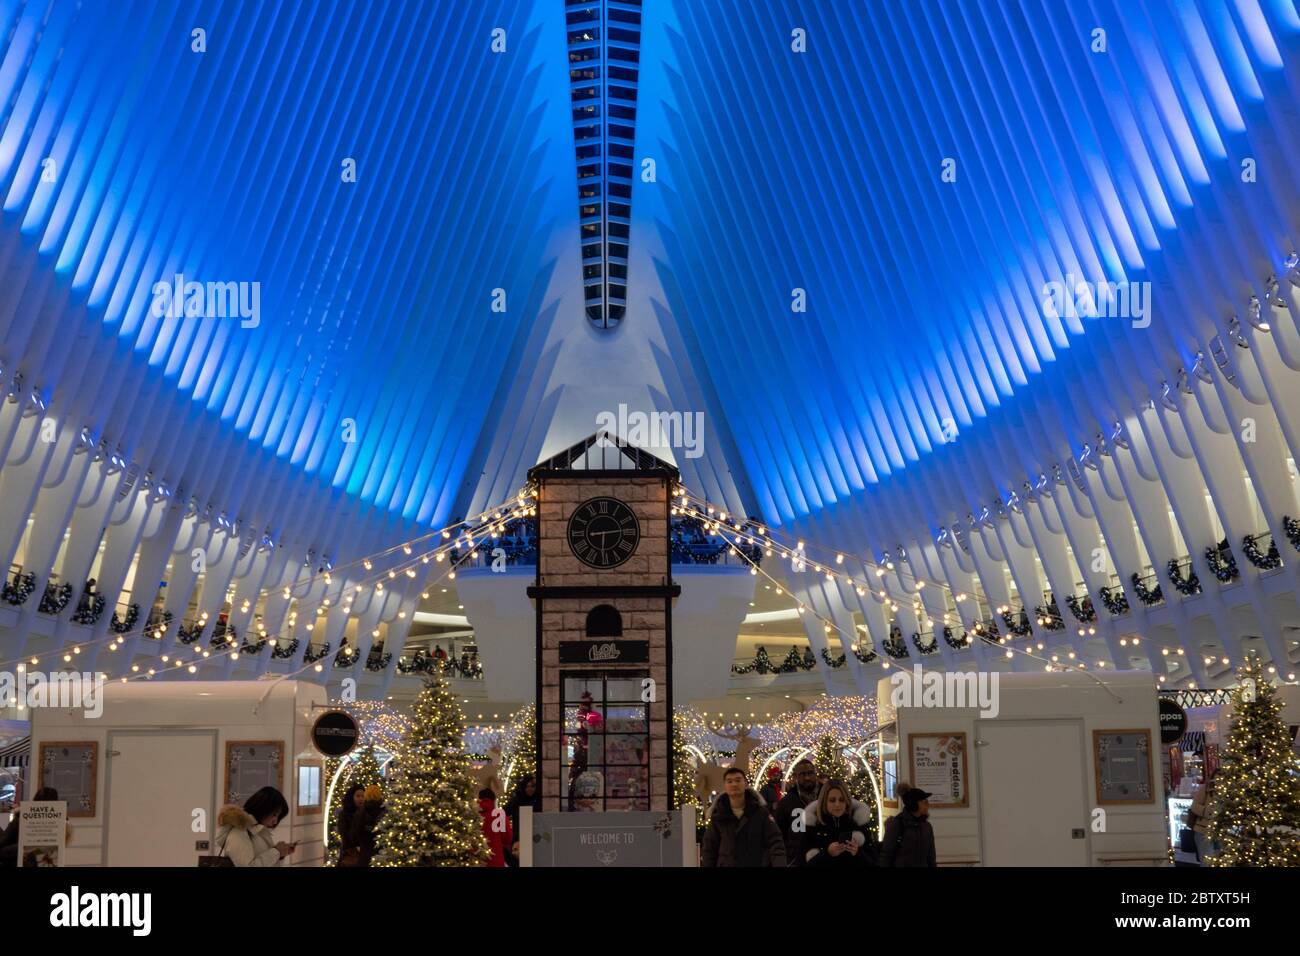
<point>245,836</point>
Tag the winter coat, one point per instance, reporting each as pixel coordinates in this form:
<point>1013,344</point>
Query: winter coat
<point>852,825</point>
<point>1202,809</point>
<point>908,841</point>
<point>751,840</point>
<point>498,842</point>
<point>792,801</point>
<point>357,832</point>
<point>522,800</point>
<point>245,841</point>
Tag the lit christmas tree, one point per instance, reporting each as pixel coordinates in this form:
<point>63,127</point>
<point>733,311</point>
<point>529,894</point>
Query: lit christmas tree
<point>828,758</point>
<point>1256,820</point>
<point>365,771</point>
<point>432,802</point>
<point>519,755</point>
<point>684,794</point>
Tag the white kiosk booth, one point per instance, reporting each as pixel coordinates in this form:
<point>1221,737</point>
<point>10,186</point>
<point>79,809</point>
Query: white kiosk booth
<point>145,779</point>
<point>1064,770</point>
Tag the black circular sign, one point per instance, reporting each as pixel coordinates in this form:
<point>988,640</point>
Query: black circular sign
<point>1173,721</point>
<point>335,733</point>
<point>603,532</point>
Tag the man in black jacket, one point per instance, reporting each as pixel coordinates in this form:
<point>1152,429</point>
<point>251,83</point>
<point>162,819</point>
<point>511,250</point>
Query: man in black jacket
<point>741,831</point>
<point>803,793</point>
<point>909,837</point>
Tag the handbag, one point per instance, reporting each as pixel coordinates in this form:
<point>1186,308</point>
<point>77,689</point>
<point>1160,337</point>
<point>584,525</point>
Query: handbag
<point>220,859</point>
<point>1186,840</point>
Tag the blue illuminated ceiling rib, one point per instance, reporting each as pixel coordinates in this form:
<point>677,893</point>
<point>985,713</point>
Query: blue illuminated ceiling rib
<point>921,174</point>
<point>604,38</point>
<point>318,179</point>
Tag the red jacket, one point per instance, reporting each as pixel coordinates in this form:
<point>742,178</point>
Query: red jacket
<point>499,842</point>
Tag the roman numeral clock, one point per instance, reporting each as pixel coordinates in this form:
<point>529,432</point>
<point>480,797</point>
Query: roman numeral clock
<point>603,597</point>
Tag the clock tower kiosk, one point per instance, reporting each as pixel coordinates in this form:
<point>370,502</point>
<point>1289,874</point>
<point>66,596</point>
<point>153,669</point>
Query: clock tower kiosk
<point>604,600</point>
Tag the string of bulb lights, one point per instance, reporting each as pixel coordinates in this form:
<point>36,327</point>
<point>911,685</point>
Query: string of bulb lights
<point>490,529</point>
<point>733,537</point>
<point>718,519</point>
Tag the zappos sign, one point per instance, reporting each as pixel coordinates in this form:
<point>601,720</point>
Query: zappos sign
<point>1173,721</point>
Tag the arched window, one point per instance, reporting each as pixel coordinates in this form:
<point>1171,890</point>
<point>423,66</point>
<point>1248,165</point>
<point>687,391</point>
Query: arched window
<point>604,621</point>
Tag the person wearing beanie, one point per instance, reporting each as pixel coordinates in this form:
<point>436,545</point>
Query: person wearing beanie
<point>771,790</point>
<point>909,837</point>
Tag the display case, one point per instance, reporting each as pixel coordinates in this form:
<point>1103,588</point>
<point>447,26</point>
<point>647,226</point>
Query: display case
<point>606,752</point>
<point>1177,808</point>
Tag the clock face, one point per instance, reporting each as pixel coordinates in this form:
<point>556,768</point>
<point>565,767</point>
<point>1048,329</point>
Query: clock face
<point>603,532</point>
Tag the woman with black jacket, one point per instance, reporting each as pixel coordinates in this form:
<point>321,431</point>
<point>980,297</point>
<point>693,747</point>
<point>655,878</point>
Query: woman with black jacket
<point>357,819</point>
<point>527,794</point>
<point>836,832</point>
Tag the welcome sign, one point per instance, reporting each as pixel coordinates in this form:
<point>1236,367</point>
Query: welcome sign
<point>614,838</point>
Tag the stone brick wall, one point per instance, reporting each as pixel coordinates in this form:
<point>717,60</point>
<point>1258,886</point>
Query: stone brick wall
<point>565,619</point>
<point>647,497</point>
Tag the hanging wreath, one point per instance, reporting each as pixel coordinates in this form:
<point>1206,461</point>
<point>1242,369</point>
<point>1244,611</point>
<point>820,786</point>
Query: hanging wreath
<point>23,587</point>
<point>953,641</point>
<point>1183,585</point>
<point>1083,611</point>
<point>925,647</point>
<point>222,635</point>
<point>832,661</point>
<point>1116,603</point>
<point>283,651</point>
<point>1221,562</point>
<point>895,647</point>
<point>188,634</point>
<point>55,598</point>
<point>122,626</point>
<point>1049,617</point>
<point>1265,562</point>
<point>1291,528</point>
<point>1018,628</point>
<point>91,611</point>
<point>1148,596</point>
<point>313,656</point>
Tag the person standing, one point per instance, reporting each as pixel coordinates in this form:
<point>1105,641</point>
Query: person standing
<point>527,794</point>
<point>795,801</point>
<point>909,837</point>
<point>1200,814</point>
<point>496,828</point>
<point>361,810</point>
<point>741,832</point>
<point>245,835</point>
<point>771,792</point>
<point>837,830</point>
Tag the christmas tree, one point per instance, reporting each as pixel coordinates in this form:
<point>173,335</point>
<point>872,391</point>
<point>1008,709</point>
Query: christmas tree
<point>365,771</point>
<point>432,817</point>
<point>828,758</point>
<point>519,755</point>
<point>684,794</point>
<point>1256,818</point>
